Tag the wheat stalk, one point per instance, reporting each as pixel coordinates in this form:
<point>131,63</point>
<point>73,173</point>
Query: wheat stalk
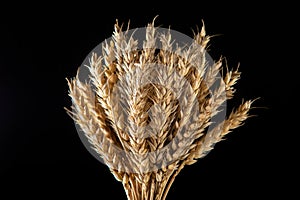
<point>143,164</point>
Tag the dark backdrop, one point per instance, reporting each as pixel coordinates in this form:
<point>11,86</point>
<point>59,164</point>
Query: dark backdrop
<point>41,154</point>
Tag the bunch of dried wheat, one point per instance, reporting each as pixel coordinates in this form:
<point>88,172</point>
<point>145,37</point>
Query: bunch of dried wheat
<point>147,169</point>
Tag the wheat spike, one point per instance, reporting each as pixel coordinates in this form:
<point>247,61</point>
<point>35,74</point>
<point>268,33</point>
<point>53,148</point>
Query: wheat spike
<point>148,121</point>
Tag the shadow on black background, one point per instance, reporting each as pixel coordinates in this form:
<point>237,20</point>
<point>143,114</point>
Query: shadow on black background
<point>41,154</point>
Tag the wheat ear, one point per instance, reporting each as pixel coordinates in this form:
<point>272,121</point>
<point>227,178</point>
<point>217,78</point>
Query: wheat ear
<point>112,107</point>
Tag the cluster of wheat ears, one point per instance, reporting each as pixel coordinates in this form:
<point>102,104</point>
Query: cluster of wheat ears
<point>144,165</point>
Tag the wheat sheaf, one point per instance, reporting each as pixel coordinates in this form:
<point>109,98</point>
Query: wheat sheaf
<point>114,107</point>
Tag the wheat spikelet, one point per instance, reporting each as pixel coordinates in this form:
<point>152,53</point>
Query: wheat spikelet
<point>144,131</point>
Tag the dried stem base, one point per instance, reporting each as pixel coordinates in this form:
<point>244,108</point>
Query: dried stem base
<point>152,185</point>
<point>156,187</point>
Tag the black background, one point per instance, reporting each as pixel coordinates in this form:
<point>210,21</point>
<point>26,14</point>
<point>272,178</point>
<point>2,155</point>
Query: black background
<point>41,154</point>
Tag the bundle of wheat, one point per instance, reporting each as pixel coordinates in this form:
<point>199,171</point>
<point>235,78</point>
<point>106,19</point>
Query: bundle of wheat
<point>147,161</point>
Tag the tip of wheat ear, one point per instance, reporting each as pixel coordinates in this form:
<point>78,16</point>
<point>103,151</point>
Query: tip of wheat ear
<point>98,115</point>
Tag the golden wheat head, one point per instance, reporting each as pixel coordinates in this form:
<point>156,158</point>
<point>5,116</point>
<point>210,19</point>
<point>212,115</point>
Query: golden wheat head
<point>114,120</point>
